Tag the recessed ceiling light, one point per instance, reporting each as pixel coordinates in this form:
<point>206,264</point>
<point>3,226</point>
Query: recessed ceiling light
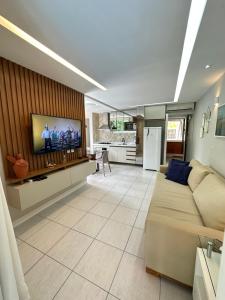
<point>194,21</point>
<point>35,43</point>
<point>208,67</point>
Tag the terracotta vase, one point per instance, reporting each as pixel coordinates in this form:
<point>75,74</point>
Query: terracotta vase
<point>20,166</point>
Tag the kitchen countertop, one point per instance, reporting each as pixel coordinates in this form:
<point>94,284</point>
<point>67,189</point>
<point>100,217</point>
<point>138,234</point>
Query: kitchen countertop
<point>121,145</point>
<point>130,145</point>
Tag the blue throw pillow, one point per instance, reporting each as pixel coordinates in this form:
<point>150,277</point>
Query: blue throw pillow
<point>176,162</point>
<point>179,173</point>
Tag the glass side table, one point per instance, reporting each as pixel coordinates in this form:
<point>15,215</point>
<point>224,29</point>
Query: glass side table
<point>211,250</point>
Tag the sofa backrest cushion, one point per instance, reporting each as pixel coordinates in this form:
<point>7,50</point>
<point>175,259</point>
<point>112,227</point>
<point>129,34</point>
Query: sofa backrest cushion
<point>209,197</point>
<point>195,163</point>
<point>197,174</point>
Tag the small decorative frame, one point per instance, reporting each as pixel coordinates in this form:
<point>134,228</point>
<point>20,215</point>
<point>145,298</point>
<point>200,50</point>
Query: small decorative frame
<point>207,120</point>
<point>202,129</point>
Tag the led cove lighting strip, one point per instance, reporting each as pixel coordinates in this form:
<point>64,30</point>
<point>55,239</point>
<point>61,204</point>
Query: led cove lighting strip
<point>32,41</point>
<point>194,21</point>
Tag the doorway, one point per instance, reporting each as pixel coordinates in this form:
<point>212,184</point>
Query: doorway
<point>176,138</point>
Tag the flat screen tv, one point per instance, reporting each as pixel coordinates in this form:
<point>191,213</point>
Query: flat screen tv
<point>51,134</point>
<point>220,124</point>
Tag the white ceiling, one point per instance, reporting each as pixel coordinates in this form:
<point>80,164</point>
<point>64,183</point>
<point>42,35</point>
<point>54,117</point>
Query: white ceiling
<point>133,47</point>
<point>209,49</point>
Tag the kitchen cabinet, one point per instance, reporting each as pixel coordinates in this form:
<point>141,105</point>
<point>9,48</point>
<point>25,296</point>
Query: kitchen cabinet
<point>113,154</point>
<point>131,155</point>
<point>122,154</point>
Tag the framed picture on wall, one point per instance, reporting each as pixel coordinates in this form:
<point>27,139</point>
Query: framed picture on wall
<point>220,123</point>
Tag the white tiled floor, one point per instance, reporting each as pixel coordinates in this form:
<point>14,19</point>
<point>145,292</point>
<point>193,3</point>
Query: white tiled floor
<point>90,245</point>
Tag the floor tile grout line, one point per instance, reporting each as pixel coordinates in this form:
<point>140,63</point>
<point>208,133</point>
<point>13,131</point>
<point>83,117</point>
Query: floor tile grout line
<point>90,281</point>
<point>45,253</point>
<point>94,238</point>
<point>73,270</point>
<point>70,269</point>
<point>63,225</point>
<point>48,221</point>
<point>19,236</point>
<point>122,256</point>
<point>109,294</point>
<point>73,229</point>
<point>64,282</point>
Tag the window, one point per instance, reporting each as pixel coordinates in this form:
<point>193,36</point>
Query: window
<point>175,130</point>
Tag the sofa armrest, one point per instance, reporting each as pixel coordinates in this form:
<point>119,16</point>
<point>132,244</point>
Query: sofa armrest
<point>163,169</point>
<point>170,246</point>
<point>187,227</point>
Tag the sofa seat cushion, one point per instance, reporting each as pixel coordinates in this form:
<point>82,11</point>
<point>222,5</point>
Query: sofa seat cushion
<point>198,173</point>
<point>171,195</point>
<point>210,199</point>
<point>176,215</point>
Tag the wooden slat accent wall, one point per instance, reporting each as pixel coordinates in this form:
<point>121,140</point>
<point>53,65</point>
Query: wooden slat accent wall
<point>23,92</point>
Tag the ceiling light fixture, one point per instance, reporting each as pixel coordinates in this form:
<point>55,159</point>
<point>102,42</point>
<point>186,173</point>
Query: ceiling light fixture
<point>194,21</point>
<point>32,41</point>
<point>208,67</point>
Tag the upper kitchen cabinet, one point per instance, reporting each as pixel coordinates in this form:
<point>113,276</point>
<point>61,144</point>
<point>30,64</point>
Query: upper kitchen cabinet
<point>117,121</point>
<point>120,121</point>
<point>123,121</point>
<point>113,120</point>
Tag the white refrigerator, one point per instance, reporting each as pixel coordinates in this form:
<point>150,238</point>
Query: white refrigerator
<point>152,148</point>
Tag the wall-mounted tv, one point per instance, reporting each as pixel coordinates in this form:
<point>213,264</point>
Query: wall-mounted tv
<point>51,134</point>
<point>220,124</point>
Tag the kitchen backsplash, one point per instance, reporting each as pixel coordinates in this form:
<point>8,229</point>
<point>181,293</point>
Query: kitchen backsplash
<point>95,120</point>
<point>110,136</point>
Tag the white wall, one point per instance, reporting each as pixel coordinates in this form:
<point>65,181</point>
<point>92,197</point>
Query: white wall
<point>209,150</point>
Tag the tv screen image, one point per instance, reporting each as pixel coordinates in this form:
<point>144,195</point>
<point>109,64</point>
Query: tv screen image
<point>220,124</point>
<point>51,134</point>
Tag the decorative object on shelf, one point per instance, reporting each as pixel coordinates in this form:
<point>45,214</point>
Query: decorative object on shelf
<point>20,166</point>
<point>64,158</point>
<point>50,164</point>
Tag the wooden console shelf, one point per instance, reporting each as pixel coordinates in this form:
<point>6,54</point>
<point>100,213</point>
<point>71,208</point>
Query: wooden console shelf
<point>68,176</point>
<point>45,171</point>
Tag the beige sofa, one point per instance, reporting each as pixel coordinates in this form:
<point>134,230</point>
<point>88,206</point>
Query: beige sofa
<point>177,215</point>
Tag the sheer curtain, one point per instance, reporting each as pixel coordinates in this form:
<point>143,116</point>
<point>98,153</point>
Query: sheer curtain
<point>12,283</point>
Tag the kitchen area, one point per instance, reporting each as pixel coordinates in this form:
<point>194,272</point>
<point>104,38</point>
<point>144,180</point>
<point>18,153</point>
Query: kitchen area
<point>138,136</point>
<point>117,132</point>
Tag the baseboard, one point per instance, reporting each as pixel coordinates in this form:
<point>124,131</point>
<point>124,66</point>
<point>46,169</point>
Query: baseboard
<point>157,274</point>
<point>47,204</point>
<point>153,272</point>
